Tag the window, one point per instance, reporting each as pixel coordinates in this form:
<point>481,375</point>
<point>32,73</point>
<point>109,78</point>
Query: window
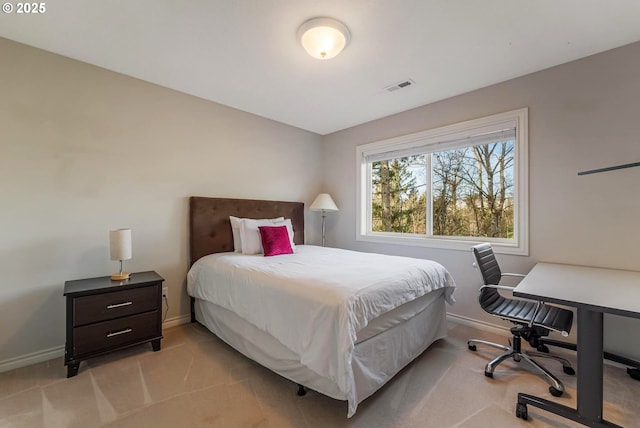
<point>448,187</point>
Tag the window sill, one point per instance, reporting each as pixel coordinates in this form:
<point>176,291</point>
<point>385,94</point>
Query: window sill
<point>500,246</point>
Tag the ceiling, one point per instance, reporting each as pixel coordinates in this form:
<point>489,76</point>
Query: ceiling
<point>244,53</point>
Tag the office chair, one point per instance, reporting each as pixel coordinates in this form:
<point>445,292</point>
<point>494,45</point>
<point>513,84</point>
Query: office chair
<point>533,320</point>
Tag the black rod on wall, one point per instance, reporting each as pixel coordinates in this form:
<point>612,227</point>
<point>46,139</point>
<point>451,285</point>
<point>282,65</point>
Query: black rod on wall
<point>610,168</point>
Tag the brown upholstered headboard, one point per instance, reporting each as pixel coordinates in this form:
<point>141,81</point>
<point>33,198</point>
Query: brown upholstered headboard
<point>210,228</point>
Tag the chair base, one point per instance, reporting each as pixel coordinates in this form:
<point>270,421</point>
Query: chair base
<point>514,352</point>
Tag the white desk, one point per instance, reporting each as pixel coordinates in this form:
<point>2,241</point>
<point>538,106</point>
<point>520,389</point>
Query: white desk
<point>593,291</point>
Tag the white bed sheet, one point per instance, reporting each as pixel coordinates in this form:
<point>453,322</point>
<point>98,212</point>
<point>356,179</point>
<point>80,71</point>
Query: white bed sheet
<point>315,301</point>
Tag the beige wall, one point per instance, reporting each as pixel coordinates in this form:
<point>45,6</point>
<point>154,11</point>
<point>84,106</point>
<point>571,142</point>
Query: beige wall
<point>84,150</point>
<point>582,115</point>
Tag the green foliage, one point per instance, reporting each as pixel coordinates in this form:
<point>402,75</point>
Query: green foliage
<point>397,204</point>
<point>471,192</point>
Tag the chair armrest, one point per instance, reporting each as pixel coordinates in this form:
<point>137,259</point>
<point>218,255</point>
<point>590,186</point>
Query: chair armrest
<point>535,313</point>
<point>517,275</point>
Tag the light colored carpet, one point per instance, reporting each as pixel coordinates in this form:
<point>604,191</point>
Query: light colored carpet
<point>198,381</point>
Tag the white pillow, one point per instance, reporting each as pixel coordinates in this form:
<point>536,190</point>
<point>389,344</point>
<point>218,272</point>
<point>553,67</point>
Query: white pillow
<point>250,241</point>
<point>287,222</point>
<point>235,229</point>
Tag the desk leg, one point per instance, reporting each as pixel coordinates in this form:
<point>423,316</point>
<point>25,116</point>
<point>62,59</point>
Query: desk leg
<point>590,382</point>
<point>590,354</point>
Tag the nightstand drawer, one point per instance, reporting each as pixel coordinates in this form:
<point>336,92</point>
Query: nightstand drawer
<point>105,335</point>
<point>115,304</point>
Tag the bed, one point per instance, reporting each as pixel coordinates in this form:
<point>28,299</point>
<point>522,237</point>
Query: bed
<point>339,322</point>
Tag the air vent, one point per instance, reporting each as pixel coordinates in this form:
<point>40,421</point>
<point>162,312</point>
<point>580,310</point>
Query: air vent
<point>400,85</point>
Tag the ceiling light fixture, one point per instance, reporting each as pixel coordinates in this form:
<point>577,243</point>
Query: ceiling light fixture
<point>323,38</point>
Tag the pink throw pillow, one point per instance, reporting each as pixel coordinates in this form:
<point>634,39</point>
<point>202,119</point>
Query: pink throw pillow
<point>275,240</point>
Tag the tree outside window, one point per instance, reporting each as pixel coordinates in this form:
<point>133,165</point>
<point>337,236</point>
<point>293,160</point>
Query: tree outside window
<point>471,192</point>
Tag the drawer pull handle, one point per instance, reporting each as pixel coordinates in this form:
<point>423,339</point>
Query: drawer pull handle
<point>117,333</point>
<point>119,305</point>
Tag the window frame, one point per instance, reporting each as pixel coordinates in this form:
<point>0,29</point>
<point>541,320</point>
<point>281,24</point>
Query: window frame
<point>441,139</point>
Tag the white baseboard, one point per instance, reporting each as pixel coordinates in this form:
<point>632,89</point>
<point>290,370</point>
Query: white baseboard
<point>176,321</point>
<point>58,351</point>
<point>481,325</point>
<point>32,358</point>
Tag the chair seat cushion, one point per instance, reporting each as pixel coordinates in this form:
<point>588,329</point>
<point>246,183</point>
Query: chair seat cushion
<point>521,311</point>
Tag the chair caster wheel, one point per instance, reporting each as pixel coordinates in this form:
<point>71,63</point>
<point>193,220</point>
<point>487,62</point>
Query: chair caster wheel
<point>488,374</point>
<point>555,392</point>
<point>543,348</point>
<point>568,370</point>
<point>472,347</point>
<point>521,411</point>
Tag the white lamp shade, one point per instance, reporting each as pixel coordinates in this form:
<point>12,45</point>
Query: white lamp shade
<point>323,38</point>
<point>323,202</point>
<point>120,244</point>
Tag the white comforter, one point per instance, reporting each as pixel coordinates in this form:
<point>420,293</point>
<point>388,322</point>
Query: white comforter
<point>316,300</point>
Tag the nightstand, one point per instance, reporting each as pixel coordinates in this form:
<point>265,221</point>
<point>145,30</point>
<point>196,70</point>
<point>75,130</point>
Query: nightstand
<point>105,316</point>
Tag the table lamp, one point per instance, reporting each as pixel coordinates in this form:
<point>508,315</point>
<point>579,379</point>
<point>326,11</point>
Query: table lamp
<point>325,204</point>
<point>120,245</point>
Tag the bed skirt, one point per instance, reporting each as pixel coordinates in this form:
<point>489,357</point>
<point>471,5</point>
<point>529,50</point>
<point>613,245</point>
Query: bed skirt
<point>376,359</point>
